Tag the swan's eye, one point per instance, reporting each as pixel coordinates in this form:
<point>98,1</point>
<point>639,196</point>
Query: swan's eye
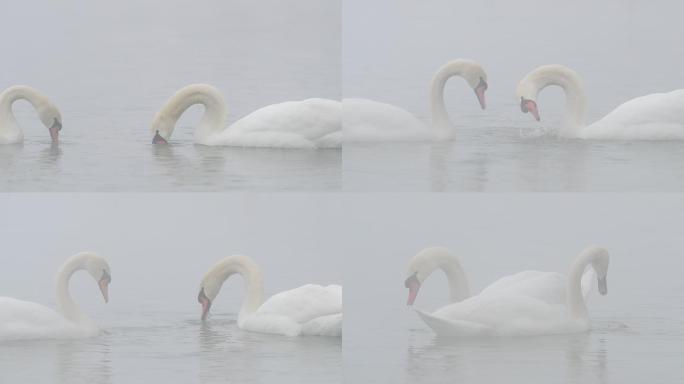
<point>201,297</point>
<point>523,106</point>
<point>106,276</point>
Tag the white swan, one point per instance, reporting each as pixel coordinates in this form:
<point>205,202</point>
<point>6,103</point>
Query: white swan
<point>10,132</point>
<point>311,123</point>
<point>656,116</point>
<point>26,320</point>
<point>368,120</point>
<point>308,310</point>
<point>526,303</point>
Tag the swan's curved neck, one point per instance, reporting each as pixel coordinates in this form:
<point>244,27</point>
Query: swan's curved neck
<point>577,307</point>
<point>431,259</point>
<point>441,124</point>
<point>575,100</point>
<point>65,303</point>
<point>251,274</point>
<point>458,284</point>
<point>12,94</point>
<point>214,117</point>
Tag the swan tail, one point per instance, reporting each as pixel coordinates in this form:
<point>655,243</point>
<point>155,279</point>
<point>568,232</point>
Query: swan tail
<point>452,328</point>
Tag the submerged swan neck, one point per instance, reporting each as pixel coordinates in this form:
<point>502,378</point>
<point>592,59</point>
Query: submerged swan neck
<point>251,274</point>
<point>591,256</point>
<point>428,260</point>
<point>566,78</point>
<point>213,120</point>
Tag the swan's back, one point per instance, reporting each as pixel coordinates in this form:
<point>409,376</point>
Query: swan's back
<point>368,120</point>
<point>23,320</point>
<point>305,303</point>
<point>657,116</point>
<point>306,123</point>
<point>549,287</point>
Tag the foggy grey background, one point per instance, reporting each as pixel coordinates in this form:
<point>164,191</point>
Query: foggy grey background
<point>637,330</point>
<point>622,49</point>
<point>110,66</point>
<point>159,246</point>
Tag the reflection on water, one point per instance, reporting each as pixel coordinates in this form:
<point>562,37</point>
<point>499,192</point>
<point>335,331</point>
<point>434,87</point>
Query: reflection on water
<point>502,159</point>
<point>248,357</point>
<point>562,358</point>
<point>166,350</point>
<point>78,365</point>
<point>121,166</point>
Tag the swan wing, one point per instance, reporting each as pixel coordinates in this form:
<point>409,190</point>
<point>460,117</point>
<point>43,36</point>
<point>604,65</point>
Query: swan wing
<point>289,124</point>
<point>509,314</point>
<point>656,116</point>
<point>549,287</point>
<point>21,320</point>
<point>305,303</point>
<point>368,120</point>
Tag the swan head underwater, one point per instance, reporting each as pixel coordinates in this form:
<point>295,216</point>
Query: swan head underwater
<point>427,261</point>
<point>553,74</point>
<point>162,127</point>
<point>208,292</point>
<point>527,92</point>
<point>51,119</point>
<point>211,283</point>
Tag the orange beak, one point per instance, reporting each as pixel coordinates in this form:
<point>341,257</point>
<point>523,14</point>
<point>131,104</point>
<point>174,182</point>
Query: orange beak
<point>413,285</point>
<point>206,304</point>
<point>531,107</point>
<point>54,131</point>
<point>157,139</point>
<point>104,288</point>
<point>480,92</point>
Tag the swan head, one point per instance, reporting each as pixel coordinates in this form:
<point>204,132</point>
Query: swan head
<point>51,119</point>
<point>527,93</point>
<point>209,289</point>
<point>599,262</point>
<point>422,265</point>
<point>162,128</point>
<point>476,77</point>
<point>99,269</point>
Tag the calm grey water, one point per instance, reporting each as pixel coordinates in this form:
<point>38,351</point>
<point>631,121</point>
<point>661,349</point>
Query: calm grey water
<point>393,48</point>
<point>159,246</point>
<point>173,347</point>
<point>637,334</point>
<point>110,67</point>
